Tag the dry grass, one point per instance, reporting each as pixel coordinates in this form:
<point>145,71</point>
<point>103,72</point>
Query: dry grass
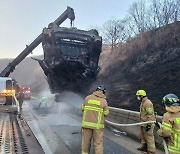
<point>150,61</point>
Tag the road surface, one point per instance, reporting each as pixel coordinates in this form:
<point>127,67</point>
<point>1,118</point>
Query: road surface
<point>58,130</point>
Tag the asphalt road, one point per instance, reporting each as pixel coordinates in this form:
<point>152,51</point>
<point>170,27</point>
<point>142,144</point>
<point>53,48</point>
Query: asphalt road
<point>58,131</point>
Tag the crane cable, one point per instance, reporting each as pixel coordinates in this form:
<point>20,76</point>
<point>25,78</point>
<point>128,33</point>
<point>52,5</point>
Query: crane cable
<point>140,124</point>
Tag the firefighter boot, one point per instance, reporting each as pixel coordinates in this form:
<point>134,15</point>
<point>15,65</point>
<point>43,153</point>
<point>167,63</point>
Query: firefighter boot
<point>143,148</point>
<point>150,152</point>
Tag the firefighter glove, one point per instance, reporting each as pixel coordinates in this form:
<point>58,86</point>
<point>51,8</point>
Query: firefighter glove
<point>148,127</point>
<point>157,124</point>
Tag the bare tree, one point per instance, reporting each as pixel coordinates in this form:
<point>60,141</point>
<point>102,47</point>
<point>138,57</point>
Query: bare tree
<point>176,11</point>
<point>142,16</point>
<point>138,12</point>
<point>113,32</point>
<point>130,28</point>
<point>147,15</point>
<point>165,11</point>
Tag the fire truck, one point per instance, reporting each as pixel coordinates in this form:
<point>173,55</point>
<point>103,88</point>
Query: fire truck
<point>26,90</point>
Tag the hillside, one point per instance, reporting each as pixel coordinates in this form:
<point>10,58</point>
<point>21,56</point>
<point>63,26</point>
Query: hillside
<point>28,72</point>
<point>151,61</point>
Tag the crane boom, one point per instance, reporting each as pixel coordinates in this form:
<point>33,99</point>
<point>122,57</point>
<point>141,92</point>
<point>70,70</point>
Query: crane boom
<point>68,13</point>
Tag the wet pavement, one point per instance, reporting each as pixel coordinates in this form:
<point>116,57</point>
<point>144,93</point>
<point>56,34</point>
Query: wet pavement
<point>58,131</point>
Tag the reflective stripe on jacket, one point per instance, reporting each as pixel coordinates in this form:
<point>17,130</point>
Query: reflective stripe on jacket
<point>94,108</point>
<point>147,110</point>
<point>171,129</point>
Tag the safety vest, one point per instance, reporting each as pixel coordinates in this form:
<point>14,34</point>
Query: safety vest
<point>175,130</point>
<point>94,108</point>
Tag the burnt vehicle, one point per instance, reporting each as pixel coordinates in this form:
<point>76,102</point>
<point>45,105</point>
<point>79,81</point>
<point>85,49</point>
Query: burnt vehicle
<point>71,57</point>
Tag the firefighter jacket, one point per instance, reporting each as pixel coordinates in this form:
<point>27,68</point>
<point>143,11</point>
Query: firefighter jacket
<point>94,108</point>
<point>170,128</point>
<point>146,110</point>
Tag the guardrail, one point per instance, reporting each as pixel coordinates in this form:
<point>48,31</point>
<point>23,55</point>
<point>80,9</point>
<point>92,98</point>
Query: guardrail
<point>123,116</point>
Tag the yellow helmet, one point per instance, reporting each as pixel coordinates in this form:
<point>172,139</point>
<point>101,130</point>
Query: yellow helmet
<point>140,93</point>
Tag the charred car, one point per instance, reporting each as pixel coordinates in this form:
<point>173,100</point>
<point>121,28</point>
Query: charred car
<point>71,57</point>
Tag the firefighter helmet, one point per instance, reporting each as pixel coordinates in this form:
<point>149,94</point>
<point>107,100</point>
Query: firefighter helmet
<point>171,100</point>
<point>101,88</point>
<point>140,93</point>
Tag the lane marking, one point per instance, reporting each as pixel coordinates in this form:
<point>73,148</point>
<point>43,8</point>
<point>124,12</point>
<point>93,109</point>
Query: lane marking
<point>37,131</point>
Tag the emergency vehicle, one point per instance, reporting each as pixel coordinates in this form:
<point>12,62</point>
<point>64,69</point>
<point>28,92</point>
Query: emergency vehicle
<point>26,91</point>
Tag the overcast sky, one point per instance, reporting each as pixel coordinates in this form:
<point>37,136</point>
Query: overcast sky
<point>21,21</point>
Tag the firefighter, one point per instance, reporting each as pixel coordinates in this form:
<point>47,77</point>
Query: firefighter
<point>21,99</point>
<point>95,108</point>
<point>147,131</point>
<point>170,128</point>
<point>44,101</point>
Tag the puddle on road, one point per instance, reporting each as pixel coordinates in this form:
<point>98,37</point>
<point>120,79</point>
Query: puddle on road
<point>117,132</point>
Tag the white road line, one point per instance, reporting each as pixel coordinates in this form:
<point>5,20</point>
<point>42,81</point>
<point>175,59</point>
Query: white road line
<point>37,132</point>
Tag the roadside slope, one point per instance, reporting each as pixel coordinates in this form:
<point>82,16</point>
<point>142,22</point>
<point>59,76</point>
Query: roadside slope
<point>151,61</point>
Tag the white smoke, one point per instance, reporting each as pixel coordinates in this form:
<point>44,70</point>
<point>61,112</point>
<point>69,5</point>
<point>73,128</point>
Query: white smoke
<point>46,93</point>
<point>61,103</point>
<point>71,98</point>
<point>59,113</point>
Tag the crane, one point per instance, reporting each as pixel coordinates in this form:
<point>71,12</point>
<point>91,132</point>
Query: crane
<point>68,13</point>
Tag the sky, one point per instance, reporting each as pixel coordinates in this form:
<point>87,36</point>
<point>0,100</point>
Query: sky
<point>21,21</point>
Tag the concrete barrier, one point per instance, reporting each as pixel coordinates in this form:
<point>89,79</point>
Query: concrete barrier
<point>123,116</point>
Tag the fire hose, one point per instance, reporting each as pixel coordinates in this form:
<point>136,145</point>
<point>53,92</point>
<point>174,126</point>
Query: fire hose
<point>139,124</point>
<point>134,124</point>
